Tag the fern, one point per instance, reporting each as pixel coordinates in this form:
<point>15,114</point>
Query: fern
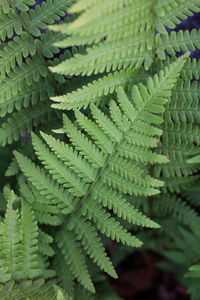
<point>103,158</point>
<point>130,132</point>
<point>25,80</point>
<point>21,276</point>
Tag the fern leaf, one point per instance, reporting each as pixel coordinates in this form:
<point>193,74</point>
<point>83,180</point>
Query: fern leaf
<point>65,276</point>
<point>108,225</point>
<point>103,86</point>
<point>180,11</point>
<point>47,43</point>
<point>29,241</point>
<point>169,204</point>
<point>49,12</point>
<point>27,96</point>
<point>26,74</point>
<point>107,56</point>
<point>108,197</point>
<point>74,257</point>
<point>91,243</point>
<point>177,41</point>
<point>191,69</point>
<point>70,157</point>
<point>15,50</point>
<point>32,290</point>
<point>11,241</point>
<point>9,25</point>
<point>55,193</point>
<point>145,106</point>
<point>86,148</point>
<point>44,241</point>
<point>22,122</point>
<point>63,175</point>
<point>184,105</point>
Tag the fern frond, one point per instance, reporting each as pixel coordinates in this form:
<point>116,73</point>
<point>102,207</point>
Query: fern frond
<point>106,167</point>
<point>171,205</point>
<point>177,184</point>
<point>23,121</point>
<point>103,86</point>
<point>180,132</point>
<point>108,56</point>
<point>32,290</point>
<point>191,69</point>
<point>18,249</point>
<point>44,241</point>
<point>170,18</point>
<point>15,50</point>
<point>51,190</point>
<point>46,44</point>
<point>27,96</point>
<point>65,276</point>
<point>29,241</point>
<point>108,197</point>
<point>11,241</point>
<point>177,41</point>
<point>91,243</point>
<point>28,72</point>
<point>70,157</point>
<point>9,25</point>
<point>49,12</point>
<point>106,18</point>
<point>74,257</point>
<point>184,105</point>
<point>108,225</point>
<point>59,172</point>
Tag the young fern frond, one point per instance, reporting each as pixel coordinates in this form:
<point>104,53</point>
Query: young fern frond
<point>104,147</point>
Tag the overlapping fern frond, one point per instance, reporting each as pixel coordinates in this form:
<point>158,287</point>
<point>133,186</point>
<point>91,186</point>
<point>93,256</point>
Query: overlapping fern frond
<point>104,160</point>
<point>21,275</point>
<point>180,140</point>
<point>120,36</point>
<point>27,44</point>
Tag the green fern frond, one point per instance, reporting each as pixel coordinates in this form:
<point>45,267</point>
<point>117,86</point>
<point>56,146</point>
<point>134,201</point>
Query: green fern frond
<point>29,241</point>
<point>50,189</point>
<point>15,50</point>
<point>108,171</point>
<point>74,257</point>
<point>91,242</point>
<point>65,276</point>
<point>20,269</point>
<point>108,56</point>
<point>184,105</point>
<point>177,184</point>
<point>191,69</point>
<point>23,121</point>
<point>9,25</point>
<point>171,205</point>
<point>170,18</point>
<point>47,43</point>
<point>103,86</point>
<point>26,74</point>
<point>177,41</point>
<point>27,289</point>
<point>49,12</point>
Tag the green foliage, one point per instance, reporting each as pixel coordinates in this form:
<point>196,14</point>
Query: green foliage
<point>21,275</point>
<point>126,154</point>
